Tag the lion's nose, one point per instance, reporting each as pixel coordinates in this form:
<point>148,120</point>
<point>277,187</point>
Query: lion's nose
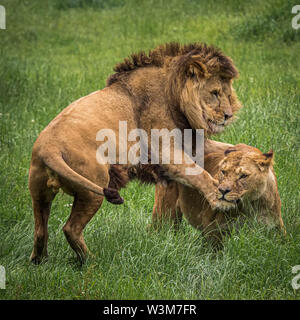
<point>227,116</point>
<point>224,190</point>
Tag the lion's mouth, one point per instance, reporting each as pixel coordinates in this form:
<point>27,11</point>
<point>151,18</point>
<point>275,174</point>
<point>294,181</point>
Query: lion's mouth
<point>216,127</point>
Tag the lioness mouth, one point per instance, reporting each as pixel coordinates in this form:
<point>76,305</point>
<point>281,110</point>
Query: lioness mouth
<point>230,201</point>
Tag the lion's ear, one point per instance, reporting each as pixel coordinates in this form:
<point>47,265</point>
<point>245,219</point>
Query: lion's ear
<point>229,150</point>
<point>195,68</point>
<point>266,160</point>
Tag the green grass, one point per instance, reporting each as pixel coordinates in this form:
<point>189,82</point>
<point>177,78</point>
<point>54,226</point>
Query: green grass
<point>54,52</point>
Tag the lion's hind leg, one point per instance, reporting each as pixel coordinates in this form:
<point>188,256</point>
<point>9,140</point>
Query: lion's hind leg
<point>42,197</point>
<point>41,214</point>
<point>84,208</point>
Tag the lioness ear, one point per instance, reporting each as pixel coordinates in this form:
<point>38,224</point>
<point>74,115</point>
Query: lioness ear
<point>195,68</point>
<point>266,160</point>
<point>269,154</point>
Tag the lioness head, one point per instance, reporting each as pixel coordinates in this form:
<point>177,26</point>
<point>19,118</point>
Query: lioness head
<point>206,96</point>
<point>243,175</point>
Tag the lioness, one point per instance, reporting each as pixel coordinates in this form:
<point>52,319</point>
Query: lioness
<point>247,185</point>
<point>174,86</point>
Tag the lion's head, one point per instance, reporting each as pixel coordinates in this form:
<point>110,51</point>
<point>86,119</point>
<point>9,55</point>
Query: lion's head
<point>196,78</point>
<point>243,174</point>
<point>201,82</point>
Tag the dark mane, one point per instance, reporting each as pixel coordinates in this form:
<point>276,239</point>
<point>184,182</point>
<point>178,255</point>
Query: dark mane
<point>158,56</point>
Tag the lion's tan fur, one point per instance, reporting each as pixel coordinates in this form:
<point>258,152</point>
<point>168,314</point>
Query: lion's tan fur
<point>174,86</point>
<point>257,195</point>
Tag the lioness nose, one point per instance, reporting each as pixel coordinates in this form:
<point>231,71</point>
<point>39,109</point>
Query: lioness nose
<point>224,190</point>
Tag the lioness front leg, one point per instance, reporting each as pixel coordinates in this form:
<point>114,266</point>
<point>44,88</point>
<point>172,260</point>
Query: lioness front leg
<point>166,207</point>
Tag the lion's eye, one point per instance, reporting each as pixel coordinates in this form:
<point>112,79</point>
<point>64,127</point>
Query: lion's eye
<point>223,171</point>
<point>215,93</point>
<point>243,176</point>
<point>193,75</point>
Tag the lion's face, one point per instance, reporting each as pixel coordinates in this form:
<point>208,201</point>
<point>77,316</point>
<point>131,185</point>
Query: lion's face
<point>219,103</point>
<point>208,99</point>
<point>242,175</point>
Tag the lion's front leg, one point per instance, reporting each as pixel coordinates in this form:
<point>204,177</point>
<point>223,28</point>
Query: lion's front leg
<point>203,182</point>
<point>211,146</point>
<point>192,175</point>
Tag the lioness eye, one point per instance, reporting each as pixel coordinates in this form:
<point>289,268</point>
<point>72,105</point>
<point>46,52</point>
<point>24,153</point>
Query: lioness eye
<point>243,176</point>
<point>222,171</point>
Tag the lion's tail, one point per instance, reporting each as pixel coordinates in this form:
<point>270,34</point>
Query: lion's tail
<point>56,163</point>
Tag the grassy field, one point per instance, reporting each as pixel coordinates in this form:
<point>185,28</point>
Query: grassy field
<point>54,52</point>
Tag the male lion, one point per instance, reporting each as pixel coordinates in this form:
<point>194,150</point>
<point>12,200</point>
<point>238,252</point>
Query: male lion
<point>247,185</point>
<point>174,86</point>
